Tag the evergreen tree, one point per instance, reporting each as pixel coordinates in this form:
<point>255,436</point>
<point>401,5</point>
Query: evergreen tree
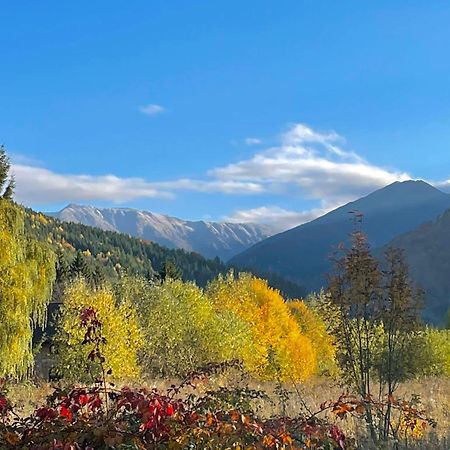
<point>98,277</point>
<point>80,267</point>
<point>62,275</point>
<point>62,267</point>
<point>7,183</point>
<point>170,271</point>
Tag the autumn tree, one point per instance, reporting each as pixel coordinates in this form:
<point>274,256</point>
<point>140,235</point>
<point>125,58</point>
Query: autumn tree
<point>315,328</point>
<point>281,352</point>
<point>182,331</point>
<point>120,330</point>
<point>27,272</point>
<point>374,314</point>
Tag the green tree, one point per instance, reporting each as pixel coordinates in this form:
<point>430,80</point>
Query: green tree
<point>182,331</point>
<point>7,183</point>
<point>80,267</point>
<point>170,271</point>
<point>27,272</point>
<point>374,317</point>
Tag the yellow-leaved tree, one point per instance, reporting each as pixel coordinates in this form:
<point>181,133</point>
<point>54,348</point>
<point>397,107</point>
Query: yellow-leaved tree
<point>27,273</point>
<point>182,331</point>
<point>280,351</point>
<point>312,326</point>
<point>119,327</point>
<point>436,352</point>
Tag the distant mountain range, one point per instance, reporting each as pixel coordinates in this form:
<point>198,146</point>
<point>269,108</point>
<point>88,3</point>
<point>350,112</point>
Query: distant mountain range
<point>209,239</point>
<point>302,254</point>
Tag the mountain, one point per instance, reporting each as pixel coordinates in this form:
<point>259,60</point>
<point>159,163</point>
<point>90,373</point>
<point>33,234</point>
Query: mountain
<point>210,239</point>
<point>112,253</point>
<point>427,252</point>
<point>302,254</point>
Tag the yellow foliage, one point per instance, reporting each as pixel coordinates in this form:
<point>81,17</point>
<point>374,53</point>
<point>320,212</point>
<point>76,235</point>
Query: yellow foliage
<point>42,219</point>
<point>312,326</point>
<point>119,327</point>
<point>280,350</point>
<point>27,272</point>
<point>182,330</point>
<point>437,352</point>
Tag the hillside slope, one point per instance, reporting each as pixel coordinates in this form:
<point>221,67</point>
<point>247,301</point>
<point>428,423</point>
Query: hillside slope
<point>302,253</point>
<point>427,252</point>
<point>210,239</point>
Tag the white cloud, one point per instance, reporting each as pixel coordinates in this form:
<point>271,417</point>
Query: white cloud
<point>279,219</point>
<point>312,165</point>
<point>212,186</point>
<point>18,158</point>
<point>152,109</point>
<point>252,141</point>
<point>40,185</point>
<point>43,186</point>
<point>306,164</point>
<point>443,185</point>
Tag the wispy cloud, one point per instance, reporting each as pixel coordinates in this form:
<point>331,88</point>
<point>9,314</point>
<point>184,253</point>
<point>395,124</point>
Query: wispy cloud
<point>38,185</point>
<point>253,141</point>
<point>18,158</point>
<point>279,219</point>
<point>212,186</point>
<point>312,165</point>
<point>152,109</point>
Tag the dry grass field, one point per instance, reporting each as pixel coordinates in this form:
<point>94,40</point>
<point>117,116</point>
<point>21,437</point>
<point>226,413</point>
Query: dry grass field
<point>433,392</point>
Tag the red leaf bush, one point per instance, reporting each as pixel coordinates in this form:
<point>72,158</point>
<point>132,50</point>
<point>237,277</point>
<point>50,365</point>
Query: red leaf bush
<point>141,419</point>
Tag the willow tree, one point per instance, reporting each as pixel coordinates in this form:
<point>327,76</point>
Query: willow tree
<point>27,271</point>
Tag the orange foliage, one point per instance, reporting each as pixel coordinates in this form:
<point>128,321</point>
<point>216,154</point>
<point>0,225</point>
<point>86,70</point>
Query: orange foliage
<point>312,326</point>
<point>281,351</point>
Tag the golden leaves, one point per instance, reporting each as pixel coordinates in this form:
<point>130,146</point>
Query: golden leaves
<point>119,326</point>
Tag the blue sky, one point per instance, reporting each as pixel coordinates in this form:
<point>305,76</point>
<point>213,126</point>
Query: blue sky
<point>259,110</point>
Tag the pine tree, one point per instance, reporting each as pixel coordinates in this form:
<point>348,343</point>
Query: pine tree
<point>98,277</point>
<point>62,267</point>
<point>170,271</point>
<point>7,183</point>
<point>80,268</point>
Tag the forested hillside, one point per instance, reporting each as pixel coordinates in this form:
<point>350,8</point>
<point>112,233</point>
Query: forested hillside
<point>105,254</point>
<point>427,251</point>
